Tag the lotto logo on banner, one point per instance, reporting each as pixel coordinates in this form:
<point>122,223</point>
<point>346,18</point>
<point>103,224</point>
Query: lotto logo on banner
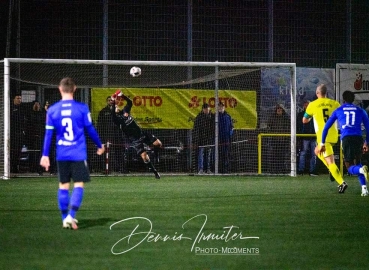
<point>354,79</point>
<point>360,83</point>
<point>177,109</point>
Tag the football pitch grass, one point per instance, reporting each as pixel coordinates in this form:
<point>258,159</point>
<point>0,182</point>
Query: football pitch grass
<point>196,222</point>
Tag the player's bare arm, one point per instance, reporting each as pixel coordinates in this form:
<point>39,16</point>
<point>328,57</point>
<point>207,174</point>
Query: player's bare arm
<point>305,120</point>
<point>45,162</point>
<point>319,150</point>
<point>365,147</point>
<point>101,150</point>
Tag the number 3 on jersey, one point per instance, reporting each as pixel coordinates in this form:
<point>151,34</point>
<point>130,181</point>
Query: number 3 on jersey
<point>67,123</point>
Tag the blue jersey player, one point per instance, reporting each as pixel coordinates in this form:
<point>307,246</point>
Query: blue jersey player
<point>70,119</point>
<point>350,118</point>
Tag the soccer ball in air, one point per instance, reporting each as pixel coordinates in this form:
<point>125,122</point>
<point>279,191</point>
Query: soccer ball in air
<point>135,71</point>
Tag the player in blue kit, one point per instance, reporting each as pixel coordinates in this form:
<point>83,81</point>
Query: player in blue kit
<point>350,118</point>
<point>70,119</point>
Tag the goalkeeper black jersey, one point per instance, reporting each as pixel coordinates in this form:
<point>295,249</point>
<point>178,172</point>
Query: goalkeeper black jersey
<point>126,122</point>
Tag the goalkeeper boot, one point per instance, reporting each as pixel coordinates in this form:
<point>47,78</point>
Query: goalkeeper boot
<point>70,223</point>
<point>157,175</point>
<point>342,187</point>
<point>364,191</point>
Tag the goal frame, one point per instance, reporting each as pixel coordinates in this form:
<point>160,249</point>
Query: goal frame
<point>106,63</point>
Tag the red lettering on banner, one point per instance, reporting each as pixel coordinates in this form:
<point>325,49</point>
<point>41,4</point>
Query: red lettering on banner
<point>232,102</point>
<point>194,102</point>
<point>147,101</point>
<point>211,102</point>
<point>158,101</point>
<point>137,101</point>
<point>228,102</point>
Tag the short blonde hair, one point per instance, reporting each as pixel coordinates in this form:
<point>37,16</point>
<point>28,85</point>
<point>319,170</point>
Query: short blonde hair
<point>322,88</point>
<point>67,85</point>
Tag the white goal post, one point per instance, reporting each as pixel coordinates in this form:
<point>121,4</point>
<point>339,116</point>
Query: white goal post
<point>167,98</point>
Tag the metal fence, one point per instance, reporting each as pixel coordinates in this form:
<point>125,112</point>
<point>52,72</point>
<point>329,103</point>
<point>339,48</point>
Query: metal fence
<point>310,33</point>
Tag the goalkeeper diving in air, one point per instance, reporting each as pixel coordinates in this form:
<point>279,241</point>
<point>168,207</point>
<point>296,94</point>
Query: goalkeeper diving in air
<point>133,131</point>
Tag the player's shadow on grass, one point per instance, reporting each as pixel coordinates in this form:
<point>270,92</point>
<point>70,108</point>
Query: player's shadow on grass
<point>87,223</point>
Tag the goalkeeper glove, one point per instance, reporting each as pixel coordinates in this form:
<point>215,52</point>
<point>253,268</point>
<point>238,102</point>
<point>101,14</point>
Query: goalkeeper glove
<point>117,94</point>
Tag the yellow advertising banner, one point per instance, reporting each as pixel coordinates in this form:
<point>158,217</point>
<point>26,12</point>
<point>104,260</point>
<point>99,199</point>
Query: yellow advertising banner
<point>177,109</point>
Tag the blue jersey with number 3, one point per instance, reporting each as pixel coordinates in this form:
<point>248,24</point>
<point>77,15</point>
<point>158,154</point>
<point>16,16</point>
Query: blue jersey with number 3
<point>69,119</point>
<point>349,118</point>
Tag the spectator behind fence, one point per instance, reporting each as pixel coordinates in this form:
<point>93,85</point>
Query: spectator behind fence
<point>17,132</point>
<point>225,125</point>
<point>203,136</point>
<point>306,144</point>
<point>36,127</point>
<point>110,132</point>
<point>53,167</point>
<point>279,123</point>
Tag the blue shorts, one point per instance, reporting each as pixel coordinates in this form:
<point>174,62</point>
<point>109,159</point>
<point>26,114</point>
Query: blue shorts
<point>76,170</point>
<point>352,148</point>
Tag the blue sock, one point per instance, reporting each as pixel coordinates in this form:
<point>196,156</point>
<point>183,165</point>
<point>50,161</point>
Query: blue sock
<point>362,179</point>
<point>75,201</point>
<point>63,201</point>
<point>354,169</point>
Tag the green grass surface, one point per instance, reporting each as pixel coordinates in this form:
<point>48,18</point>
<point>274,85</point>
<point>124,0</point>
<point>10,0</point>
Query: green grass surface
<point>302,223</point>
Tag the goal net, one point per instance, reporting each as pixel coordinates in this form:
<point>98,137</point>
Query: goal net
<point>212,117</point>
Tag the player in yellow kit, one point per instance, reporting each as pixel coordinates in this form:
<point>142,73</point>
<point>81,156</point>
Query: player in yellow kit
<point>320,110</point>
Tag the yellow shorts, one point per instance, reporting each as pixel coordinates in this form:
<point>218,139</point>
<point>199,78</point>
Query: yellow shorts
<point>328,149</point>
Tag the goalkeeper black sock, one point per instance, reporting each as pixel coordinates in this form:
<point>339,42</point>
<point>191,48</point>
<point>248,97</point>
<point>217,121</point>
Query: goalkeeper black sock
<point>156,154</point>
<point>150,165</point>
